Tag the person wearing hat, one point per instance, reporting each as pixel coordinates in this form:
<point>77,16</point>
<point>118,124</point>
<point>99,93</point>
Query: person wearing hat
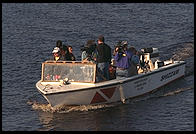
<point>122,59</point>
<point>89,52</point>
<point>103,59</point>
<point>56,54</point>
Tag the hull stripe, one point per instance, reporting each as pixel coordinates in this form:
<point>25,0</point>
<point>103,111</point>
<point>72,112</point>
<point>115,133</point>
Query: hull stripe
<point>97,99</point>
<point>108,91</point>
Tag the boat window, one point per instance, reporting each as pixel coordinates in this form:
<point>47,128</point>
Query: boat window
<point>75,72</point>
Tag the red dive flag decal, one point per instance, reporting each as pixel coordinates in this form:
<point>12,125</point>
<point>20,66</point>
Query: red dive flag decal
<point>97,98</point>
<point>108,91</point>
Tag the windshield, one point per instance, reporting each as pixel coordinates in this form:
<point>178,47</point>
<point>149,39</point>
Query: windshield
<point>75,72</point>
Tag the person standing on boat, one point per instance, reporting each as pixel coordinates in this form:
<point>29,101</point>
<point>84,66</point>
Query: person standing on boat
<point>64,52</point>
<point>103,59</point>
<point>89,52</point>
<point>59,44</point>
<point>70,49</point>
<point>122,59</point>
<point>134,61</point>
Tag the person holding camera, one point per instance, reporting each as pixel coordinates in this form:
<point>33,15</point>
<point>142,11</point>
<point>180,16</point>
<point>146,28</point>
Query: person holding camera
<point>122,59</point>
<point>89,52</point>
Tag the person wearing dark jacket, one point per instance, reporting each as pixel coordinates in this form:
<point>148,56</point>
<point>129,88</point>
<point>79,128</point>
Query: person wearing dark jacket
<point>134,61</point>
<point>71,53</point>
<point>103,59</point>
<point>65,53</point>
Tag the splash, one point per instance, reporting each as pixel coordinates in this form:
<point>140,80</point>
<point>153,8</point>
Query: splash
<point>65,108</point>
<point>40,106</point>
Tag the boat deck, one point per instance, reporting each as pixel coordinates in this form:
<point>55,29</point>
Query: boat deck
<point>54,87</point>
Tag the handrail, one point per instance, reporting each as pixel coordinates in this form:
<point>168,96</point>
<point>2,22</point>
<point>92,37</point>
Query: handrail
<point>83,62</point>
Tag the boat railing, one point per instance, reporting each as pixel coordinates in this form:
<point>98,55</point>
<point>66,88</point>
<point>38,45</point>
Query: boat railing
<point>81,62</point>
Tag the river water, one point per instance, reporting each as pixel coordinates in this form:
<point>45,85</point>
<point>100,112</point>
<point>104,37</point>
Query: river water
<point>30,32</point>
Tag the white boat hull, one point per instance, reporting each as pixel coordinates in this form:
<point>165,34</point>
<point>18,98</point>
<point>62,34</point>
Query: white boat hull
<point>113,90</point>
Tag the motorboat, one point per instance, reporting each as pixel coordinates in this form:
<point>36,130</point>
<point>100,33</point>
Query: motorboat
<point>75,83</point>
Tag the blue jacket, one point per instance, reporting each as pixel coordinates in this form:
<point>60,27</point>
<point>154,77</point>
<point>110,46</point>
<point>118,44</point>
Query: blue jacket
<point>123,60</point>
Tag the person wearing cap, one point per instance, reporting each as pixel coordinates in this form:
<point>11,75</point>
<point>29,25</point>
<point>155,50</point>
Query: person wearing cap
<point>103,59</point>
<point>56,54</point>
<point>89,52</point>
<point>123,60</point>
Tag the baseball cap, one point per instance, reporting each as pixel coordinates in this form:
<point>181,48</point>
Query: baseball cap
<point>56,50</point>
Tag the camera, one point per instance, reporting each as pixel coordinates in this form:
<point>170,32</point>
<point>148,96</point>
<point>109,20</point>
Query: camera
<point>121,46</point>
<point>89,50</point>
<point>84,48</point>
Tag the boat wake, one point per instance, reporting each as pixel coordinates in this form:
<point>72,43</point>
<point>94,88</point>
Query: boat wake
<point>64,108</point>
<point>39,106</point>
<point>157,95</point>
<point>181,51</point>
<point>184,52</point>
<point>179,90</point>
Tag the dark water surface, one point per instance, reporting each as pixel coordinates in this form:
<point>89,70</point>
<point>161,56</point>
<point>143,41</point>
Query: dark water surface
<point>29,34</point>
